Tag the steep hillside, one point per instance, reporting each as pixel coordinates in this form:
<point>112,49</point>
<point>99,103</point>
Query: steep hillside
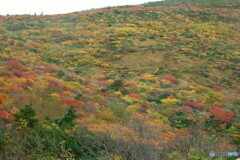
<point>153,81</point>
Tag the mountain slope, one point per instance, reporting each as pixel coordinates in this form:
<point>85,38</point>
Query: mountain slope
<point>170,65</point>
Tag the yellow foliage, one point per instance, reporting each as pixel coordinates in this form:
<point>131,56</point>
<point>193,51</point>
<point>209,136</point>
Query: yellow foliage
<point>110,80</point>
<point>8,101</point>
<point>74,85</point>
<point>134,108</point>
<point>149,77</point>
<point>97,96</point>
<point>178,16</point>
<point>116,157</point>
<point>29,88</point>
<point>87,59</point>
<point>203,54</point>
<point>170,101</point>
<point>99,76</point>
<point>48,78</point>
<point>125,31</point>
<point>199,89</point>
<point>143,95</point>
<point>214,98</point>
<point>119,56</point>
<point>108,116</point>
<point>32,44</point>
<point>131,99</point>
<point>3,30</point>
<point>55,96</point>
<point>3,55</point>
<point>67,42</point>
<point>143,86</point>
<point>164,81</point>
<point>131,82</point>
<point>5,89</point>
<point>105,65</point>
<point>187,94</point>
<point>8,49</point>
<point>185,49</point>
<point>161,117</point>
<point>2,80</point>
<point>118,93</point>
<point>67,93</point>
<point>113,136</point>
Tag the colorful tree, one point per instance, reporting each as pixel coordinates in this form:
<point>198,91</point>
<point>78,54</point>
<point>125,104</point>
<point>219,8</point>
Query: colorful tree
<point>217,113</point>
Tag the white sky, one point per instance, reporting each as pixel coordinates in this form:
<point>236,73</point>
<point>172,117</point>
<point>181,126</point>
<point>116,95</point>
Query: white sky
<point>58,6</point>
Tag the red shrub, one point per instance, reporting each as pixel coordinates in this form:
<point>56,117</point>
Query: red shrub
<point>6,115</point>
<point>221,115</point>
<point>171,97</point>
<point>186,110</point>
<point>1,100</point>
<point>134,95</point>
<point>191,103</point>
<point>1,36</point>
<point>29,81</point>
<point>217,88</point>
<point>103,83</point>
<point>121,89</point>
<point>171,79</point>
<point>12,63</point>
<point>66,87</point>
<point>70,102</point>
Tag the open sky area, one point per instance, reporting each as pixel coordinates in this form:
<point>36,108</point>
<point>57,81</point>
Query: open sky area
<point>46,7</point>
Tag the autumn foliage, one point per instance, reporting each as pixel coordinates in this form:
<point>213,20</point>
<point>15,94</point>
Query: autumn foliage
<point>6,115</point>
<point>130,82</point>
<point>171,79</point>
<point>219,114</point>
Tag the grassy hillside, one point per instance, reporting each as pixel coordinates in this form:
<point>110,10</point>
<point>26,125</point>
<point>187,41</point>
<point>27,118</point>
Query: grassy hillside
<point>152,81</point>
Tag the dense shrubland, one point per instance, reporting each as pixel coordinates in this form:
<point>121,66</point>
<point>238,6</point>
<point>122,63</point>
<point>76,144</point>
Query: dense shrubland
<point>154,81</point>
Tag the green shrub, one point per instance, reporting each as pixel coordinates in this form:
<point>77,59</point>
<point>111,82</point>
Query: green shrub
<point>116,85</point>
<point>67,122</point>
<point>78,96</point>
<point>3,30</point>
<point>26,115</point>
<point>60,74</point>
<point>179,120</point>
